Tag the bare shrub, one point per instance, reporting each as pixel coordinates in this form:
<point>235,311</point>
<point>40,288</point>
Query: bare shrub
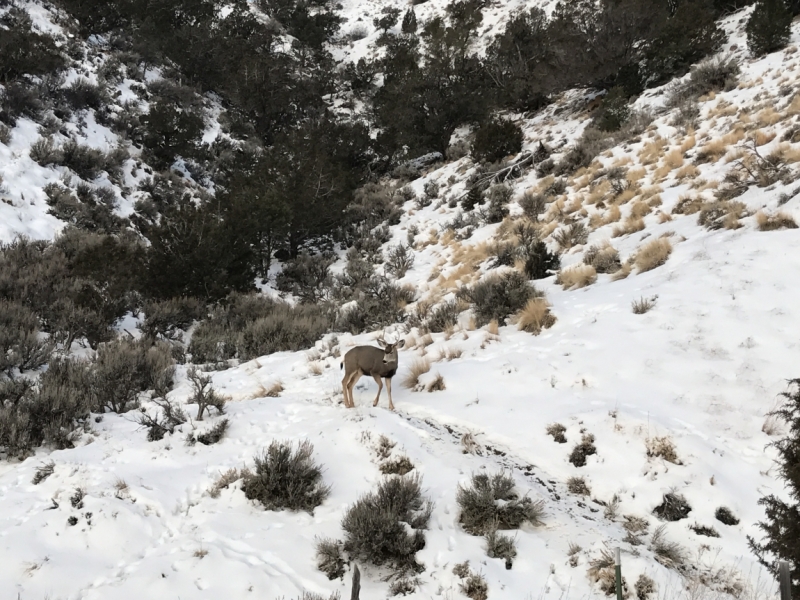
<point>643,305</point>
<point>604,258</point>
<point>535,316</point>
<point>397,466</point>
<point>204,394</point>
<point>274,390</point>
<point>673,507</point>
<point>670,554</point>
<point>601,571</point>
<point>725,515</point>
<point>385,527</point>
<point>402,586</point>
<point>501,546</point>
<point>490,503</point>
<point>330,559</point>
<point>399,260</point>
<point>585,448</point>
<point>704,530</point>
<point>43,152</point>
<point>167,417</point>
<point>719,73</point>
<point>224,481</point>
<point>533,205</point>
<point>578,486</point>
<point>644,587</point>
<point>662,447</point>
<point>474,586</point>
<point>21,345</point>
<point>576,277</point>
<point>286,477</point>
<point>779,220</point>
<point>653,254</point>
<point>215,434</point>
<point>417,368</point>
<point>557,430</point>
<point>444,316</point>
<point>437,385</point>
<point>43,472</point>
<point>722,214</point>
<point>498,296</point>
<point>572,235</point>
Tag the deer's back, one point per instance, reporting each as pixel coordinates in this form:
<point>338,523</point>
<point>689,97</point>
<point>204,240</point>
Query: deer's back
<point>368,359</point>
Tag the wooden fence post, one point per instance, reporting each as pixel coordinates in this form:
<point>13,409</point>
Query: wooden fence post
<point>618,572</point>
<point>356,584</point>
<point>785,578</point>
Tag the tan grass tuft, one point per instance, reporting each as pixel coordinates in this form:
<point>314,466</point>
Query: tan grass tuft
<point>315,368</point>
<point>653,255</point>
<point>437,385</point>
<point>623,272</point>
<point>664,217</point>
<point>761,137</point>
<point>652,151</point>
<point>535,316</point>
<point>626,196</point>
<point>275,389</point>
<point>417,368</point>
<point>635,175</point>
<point>662,447</point>
<point>493,327</point>
<point>576,277</point>
<point>687,171</point>
<point>223,481</point>
<point>767,117</point>
<point>779,220</point>
<point>640,209</point>
<point>631,225</point>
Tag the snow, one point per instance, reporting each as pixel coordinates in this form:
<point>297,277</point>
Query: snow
<point>703,367</point>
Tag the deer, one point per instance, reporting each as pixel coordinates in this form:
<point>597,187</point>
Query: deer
<point>380,363</point>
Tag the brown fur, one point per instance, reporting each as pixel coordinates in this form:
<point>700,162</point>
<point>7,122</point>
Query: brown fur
<point>380,364</point>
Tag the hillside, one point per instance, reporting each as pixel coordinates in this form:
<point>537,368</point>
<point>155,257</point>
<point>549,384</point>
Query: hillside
<point>658,337</point>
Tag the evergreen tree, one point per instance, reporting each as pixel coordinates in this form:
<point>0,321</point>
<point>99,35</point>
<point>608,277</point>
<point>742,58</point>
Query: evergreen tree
<point>782,525</point>
<point>769,26</point>
<point>409,22</point>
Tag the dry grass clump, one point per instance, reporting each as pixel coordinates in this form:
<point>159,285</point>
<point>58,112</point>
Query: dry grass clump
<point>224,481</point>
<point>557,430</point>
<point>670,554</point>
<point>644,587</point>
<point>779,220</point>
<point>535,316</point>
<point>572,235</point>
<point>662,447</point>
<point>631,225</point>
<point>604,258</point>
<point>437,385</point>
<point>576,277</point>
<point>275,389</point>
<point>722,214</point>
<point>640,209</point>
<point>687,205</point>
<point>449,354</point>
<point>417,368</point>
<point>725,515</point>
<point>578,486</point>
<point>643,305</point>
<point>652,151</point>
<point>653,255</point>
<point>688,171</point>
<point>501,546</point>
<point>43,472</point>
<point>397,466</point>
<point>673,507</point>
<point>712,151</point>
<point>672,161</point>
<point>473,585</point>
<point>315,368</point>
<point>601,571</point>
<point>491,503</point>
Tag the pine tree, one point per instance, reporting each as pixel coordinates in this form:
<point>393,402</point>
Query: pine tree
<point>782,524</point>
<point>474,197</point>
<point>768,28</point>
<point>409,21</point>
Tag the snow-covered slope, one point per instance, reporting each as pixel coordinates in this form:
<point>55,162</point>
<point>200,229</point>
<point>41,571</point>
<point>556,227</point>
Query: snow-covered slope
<point>701,368</point>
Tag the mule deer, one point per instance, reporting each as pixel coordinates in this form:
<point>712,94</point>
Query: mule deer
<point>380,363</point>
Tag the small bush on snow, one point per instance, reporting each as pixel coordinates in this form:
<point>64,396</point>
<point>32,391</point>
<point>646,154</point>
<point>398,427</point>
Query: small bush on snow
<point>653,255</point>
<point>501,546</point>
<point>725,516</point>
<point>644,587</point>
<point>673,507</point>
<point>586,448</point>
<point>286,477</point>
<point>557,430</point>
<point>490,503</point>
<point>165,318</point>
<point>498,296</point>
<point>385,527</point>
<point>330,558</point>
<point>307,277</point>
<point>670,554</point>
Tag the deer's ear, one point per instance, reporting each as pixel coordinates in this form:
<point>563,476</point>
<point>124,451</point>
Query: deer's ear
<point>381,343</point>
<point>401,343</point>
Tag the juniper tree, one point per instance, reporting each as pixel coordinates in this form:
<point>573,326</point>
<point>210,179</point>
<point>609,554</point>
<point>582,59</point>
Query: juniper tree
<point>409,21</point>
<point>782,524</point>
<point>768,28</point>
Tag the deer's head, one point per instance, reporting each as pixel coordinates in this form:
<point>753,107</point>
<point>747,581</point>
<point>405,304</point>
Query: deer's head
<point>390,349</point>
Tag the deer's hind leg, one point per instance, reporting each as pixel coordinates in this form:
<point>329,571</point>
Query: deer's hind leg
<point>389,390</point>
<point>377,379</point>
<point>348,383</point>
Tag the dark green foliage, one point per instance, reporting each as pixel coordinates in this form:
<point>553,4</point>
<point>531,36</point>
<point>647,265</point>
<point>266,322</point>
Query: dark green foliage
<point>490,503</point>
<point>399,260</point>
<point>473,198</point>
<point>409,21</point>
<point>725,515</point>
<point>286,477</point>
<point>170,131</point>
<point>385,527</point>
<point>307,277</point>
<point>85,161</point>
<point>709,75</point>
<point>539,262</point>
<point>498,296</point>
<point>704,530</point>
<point>24,51</point>
<point>166,318</point>
<point>495,139</point>
<point>329,558</point>
<point>673,507</point>
<point>388,19</point>
<point>497,210</point>
<point>82,94</point>
<point>769,26</point>
<point>248,326</point>
<point>614,110</point>
<point>781,526</point>
<point>585,448</point>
